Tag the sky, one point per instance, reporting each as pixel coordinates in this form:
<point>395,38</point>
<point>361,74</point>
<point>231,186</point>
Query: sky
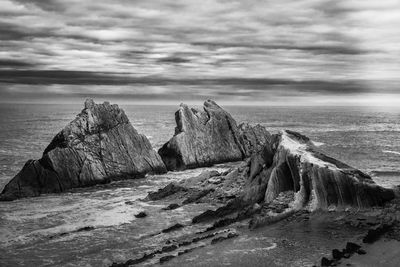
<point>266,52</point>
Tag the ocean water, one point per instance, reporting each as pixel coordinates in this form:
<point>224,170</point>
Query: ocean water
<point>47,231</point>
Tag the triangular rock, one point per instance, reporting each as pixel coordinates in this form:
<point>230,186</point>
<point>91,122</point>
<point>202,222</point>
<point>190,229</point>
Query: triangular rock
<point>99,145</point>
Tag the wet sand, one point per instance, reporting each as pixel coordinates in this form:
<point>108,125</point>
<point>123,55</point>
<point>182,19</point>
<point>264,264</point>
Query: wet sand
<point>300,240</point>
<point>385,252</point>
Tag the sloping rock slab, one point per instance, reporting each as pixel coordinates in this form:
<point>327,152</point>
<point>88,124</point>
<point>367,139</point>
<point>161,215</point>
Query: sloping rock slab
<point>99,145</point>
<point>209,136</point>
<point>319,181</point>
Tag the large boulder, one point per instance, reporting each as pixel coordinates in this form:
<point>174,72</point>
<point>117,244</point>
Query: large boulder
<point>292,163</point>
<point>99,145</point>
<point>209,136</point>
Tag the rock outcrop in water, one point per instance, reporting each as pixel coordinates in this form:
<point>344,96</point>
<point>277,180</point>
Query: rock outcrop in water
<point>99,145</point>
<point>204,138</point>
<point>279,163</point>
<point>292,163</point>
<point>287,176</point>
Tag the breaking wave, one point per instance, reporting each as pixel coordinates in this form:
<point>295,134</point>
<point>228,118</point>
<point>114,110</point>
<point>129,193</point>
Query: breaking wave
<point>318,144</point>
<point>391,152</point>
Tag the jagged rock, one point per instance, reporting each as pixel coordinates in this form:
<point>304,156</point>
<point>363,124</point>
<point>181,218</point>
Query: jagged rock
<point>375,233</point>
<point>86,228</point>
<point>166,191</point>
<point>83,229</point>
<point>254,138</point>
<point>201,178</point>
<point>337,254</point>
<point>173,228</point>
<point>319,182</point>
<point>99,145</point>
<point>171,206</point>
<point>352,247</point>
<point>166,258</point>
<point>185,251</point>
<point>204,138</point>
<point>229,208</point>
<point>169,248</point>
<point>222,238</point>
<point>196,196</point>
<point>325,262</point>
<point>134,261</point>
<point>288,175</point>
<point>361,251</point>
<point>141,214</point>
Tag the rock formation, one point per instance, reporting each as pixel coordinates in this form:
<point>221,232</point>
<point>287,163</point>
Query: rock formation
<point>292,163</point>
<point>204,138</point>
<point>286,176</point>
<point>99,145</point>
<point>282,183</point>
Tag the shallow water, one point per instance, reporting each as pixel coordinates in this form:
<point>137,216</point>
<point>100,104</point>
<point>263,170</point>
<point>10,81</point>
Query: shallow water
<point>49,230</point>
<point>44,231</point>
<point>296,243</point>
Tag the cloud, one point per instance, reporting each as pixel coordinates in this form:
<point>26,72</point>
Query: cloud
<point>214,86</point>
<point>317,49</point>
<point>14,64</point>
<point>173,59</point>
<point>125,41</point>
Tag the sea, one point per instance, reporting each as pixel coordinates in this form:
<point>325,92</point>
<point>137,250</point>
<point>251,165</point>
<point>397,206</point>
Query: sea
<point>96,226</point>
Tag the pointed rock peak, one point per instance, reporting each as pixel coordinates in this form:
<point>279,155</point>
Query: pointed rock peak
<point>99,117</point>
<point>296,136</point>
<point>99,145</point>
<point>294,141</point>
<point>209,136</point>
<point>211,104</point>
<point>89,103</point>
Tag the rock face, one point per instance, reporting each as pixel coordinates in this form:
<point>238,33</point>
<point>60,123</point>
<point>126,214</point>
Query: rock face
<point>99,145</point>
<point>292,163</point>
<point>204,138</point>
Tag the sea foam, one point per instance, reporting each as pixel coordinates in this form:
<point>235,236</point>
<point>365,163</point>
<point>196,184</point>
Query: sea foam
<point>318,144</point>
<point>391,152</point>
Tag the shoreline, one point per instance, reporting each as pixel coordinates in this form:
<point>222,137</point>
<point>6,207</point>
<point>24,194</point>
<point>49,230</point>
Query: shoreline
<point>324,227</point>
<point>302,239</point>
<point>280,199</point>
<point>306,236</point>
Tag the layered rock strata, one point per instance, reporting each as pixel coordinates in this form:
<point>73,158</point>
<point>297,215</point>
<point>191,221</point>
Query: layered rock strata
<point>293,163</point>
<point>286,176</point>
<point>99,145</point>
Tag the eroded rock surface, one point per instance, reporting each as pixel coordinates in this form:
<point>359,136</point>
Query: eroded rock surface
<point>209,136</point>
<point>282,184</point>
<point>319,181</point>
<point>286,176</point>
<point>99,145</point>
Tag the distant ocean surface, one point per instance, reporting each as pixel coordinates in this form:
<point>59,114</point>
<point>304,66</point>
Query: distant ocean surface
<point>364,138</point>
